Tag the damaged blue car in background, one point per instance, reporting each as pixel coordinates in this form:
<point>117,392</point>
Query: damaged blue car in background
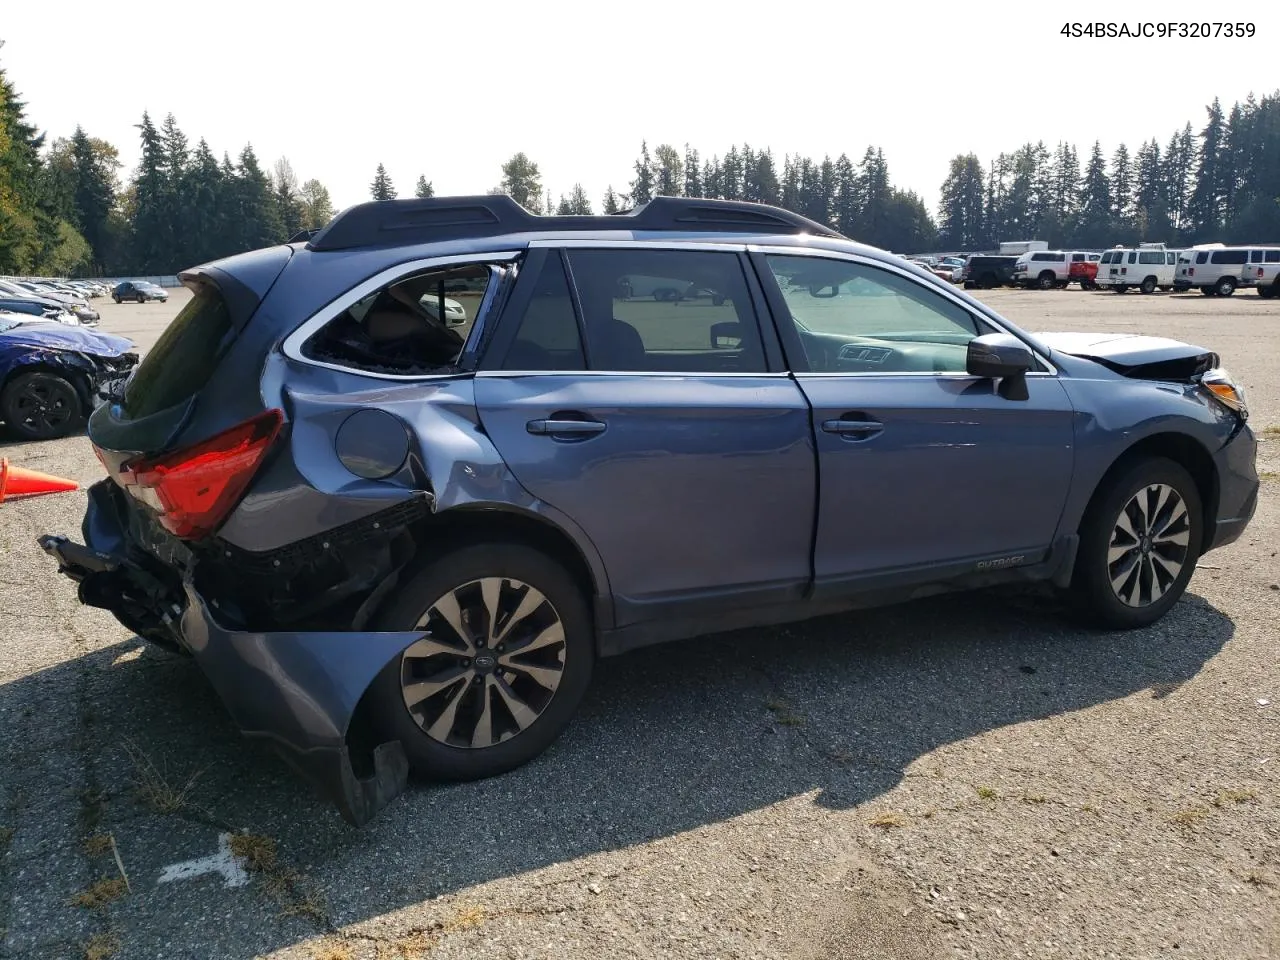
<point>51,374</point>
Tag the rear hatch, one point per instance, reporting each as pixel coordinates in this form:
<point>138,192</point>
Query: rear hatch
<point>186,432</point>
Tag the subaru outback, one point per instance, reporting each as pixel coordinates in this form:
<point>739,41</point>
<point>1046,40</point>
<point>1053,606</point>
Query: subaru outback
<point>391,546</point>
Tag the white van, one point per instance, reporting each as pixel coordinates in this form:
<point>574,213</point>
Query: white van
<point>1262,271</point>
<point>1215,271</point>
<point>1149,267</point>
<point>1045,269</point>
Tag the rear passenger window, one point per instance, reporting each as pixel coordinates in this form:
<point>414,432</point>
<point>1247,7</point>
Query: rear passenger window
<point>1150,257</point>
<point>1170,259</point>
<point>1132,257</point>
<point>548,337</point>
<point>1273,256</point>
<point>1202,257</point>
<point>1077,258</point>
<point>1230,256</point>
<point>672,311</point>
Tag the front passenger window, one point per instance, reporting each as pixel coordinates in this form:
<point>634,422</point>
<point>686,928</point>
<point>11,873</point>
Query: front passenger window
<point>854,318</point>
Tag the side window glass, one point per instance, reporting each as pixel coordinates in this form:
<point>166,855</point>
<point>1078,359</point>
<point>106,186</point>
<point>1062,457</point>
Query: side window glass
<point>548,337</point>
<point>414,326</point>
<point>853,318</point>
<point>1170,259</point>
<point>1273,256</point>
<point>678,311</point>
<point>1132,256</point>
<point>1202,257</point>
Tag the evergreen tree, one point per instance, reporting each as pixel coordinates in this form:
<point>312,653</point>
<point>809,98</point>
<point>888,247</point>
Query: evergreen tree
<point>152,228</point>
<point>424,190</point>
<point>961,213</point>
<point>259,224</point>
<point>1151,206</point>
<point>1205,208</point>
<point>206,204</point>
<point>790,186</point>
<point>522,182</point>
<point>612,205</point>
<point>382,188</point>
<point>731,175</point>
<point>873,187</point>
<point>579,205</point>
<point>562,209</point>
<point>288,197</point>
<point>317,208</point>
<point>692,173</point>
<point>762,178</point>
<point>1179,169</point>
<point>1093,227</point>
<point>848,201</point>
<point>908,226</point>
<point>1122,191</point>
<point>96,165</point>
<point>712,179</point>
<point>642,185</point>
<point>668,171</point>
<point>25,227</point>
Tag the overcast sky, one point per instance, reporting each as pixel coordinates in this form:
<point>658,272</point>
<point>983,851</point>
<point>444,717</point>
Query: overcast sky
<point>452,90</point>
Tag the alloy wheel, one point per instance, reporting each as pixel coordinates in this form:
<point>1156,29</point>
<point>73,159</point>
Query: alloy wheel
<point>490,664</point>
<point>1149,545</point>
<point>46,405</point>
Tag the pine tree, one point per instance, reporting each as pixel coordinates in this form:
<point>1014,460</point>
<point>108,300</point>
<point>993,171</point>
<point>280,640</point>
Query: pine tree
<point>579,205</point>
<point>206,204</point>
<point>668,171</point>
<point>692,173</point>
<point>961,213</point>
<point>612,205</point>
<point>382,188</point>
<point>1206,204</point>
<point>317,208</point>
<point>26,227</point>
<point>288,200</point>
<point>712,179</point>
<point>762,179</point>
<point>848,201</point>
<point>1122,190</point>
<point>152,227</point>
<point>1179,165</point>
<point>731,175</point>
<point>96,165</point>
<point>1151,204</point>
<point>522,181</point>
<point>1093,225</point>
<point>562,209</point>
<point>424,190</point>
<point>642,185</point>
<point>260,224</point>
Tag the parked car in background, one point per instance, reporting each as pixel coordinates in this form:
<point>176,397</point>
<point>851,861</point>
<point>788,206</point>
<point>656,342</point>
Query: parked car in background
<point>1043,269</point>
<point>949,268</point>
<point>1213,271</point>
<point>1147,268</point>
<point>984,271</point>
<point>73,304</point>
<point>1263,271</point>
<point>1084,270</point>
<point>460,526</point>
<point>51,374</point>
<point>34,307</point>
<point>139,291</point>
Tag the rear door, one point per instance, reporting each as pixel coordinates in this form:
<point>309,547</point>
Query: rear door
<point>659,418</point>
<point>924,471</point>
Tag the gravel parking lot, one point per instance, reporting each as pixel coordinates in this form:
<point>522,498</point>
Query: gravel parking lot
<point>970,776</point>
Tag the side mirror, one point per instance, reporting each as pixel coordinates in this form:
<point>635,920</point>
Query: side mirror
<point>726,336</point>
<point>1003,357</point>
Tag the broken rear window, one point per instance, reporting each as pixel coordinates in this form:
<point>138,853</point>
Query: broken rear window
<point>415,326</point>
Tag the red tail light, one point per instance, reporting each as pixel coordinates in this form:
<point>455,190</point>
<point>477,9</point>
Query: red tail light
<point>1191,271</point>
<point>1259,273</point>
<point>194,489</point>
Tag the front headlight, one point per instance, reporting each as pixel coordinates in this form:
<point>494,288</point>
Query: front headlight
<point>1225,390</point>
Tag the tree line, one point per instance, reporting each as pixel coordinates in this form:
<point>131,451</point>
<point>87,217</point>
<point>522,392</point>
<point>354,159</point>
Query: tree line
<point>64,210</point>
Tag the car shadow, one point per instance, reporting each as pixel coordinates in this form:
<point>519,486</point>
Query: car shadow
<point>670,739</point>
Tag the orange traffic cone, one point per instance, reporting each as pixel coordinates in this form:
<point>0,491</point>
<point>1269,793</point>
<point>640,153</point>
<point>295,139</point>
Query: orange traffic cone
<point>15,482</point>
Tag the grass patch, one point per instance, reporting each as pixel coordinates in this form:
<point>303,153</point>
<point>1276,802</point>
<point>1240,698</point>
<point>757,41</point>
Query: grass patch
<point>1227,797</point>
<point>783,714</point>
<point>282,884</point>
<point>1268,476</point>
<point>101,893</point>
<point>1189,817</point>
<point>987,793</point>
<point>888,821</point>
<point>97,845</point>
<point>467,917</point>
<point>152,784</point>
<point>1271,431</point>
<point>101,946</point>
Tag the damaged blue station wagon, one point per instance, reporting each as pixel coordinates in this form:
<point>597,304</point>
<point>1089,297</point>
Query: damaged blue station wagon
<point>395,543</point>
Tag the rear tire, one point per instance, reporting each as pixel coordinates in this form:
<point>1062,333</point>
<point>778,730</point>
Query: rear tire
<point>1121,288</point>
<point>1139,542</point>
<point>1225,287</point>
<point>1046,281</point>
<point>445,733</point>
<point>1266,293</point>
<point>115,297</point>
<point>1148,285</point>
<point>41,406</point>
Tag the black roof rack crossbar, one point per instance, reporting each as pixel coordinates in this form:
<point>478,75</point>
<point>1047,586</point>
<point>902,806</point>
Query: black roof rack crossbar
<point>395,222</point>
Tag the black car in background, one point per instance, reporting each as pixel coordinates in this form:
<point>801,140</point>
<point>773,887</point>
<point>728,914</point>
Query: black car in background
<point>139,291</point>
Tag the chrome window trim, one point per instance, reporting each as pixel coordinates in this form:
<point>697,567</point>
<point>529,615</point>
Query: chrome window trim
<point>292,346</point>
<point>998,323</point>
<point>578,243</point>
<point>648,374</point>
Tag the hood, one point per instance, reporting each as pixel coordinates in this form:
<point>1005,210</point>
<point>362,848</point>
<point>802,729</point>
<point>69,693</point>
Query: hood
<point>58,336</point>
<point>1134,355</point>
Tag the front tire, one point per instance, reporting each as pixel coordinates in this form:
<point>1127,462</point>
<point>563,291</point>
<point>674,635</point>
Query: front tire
<point>1148,285</point>
<point>505,663</point>
<point>1225,287</point>
<point>41,406</point>
<point>116,297</point>
<point>1139,543</point>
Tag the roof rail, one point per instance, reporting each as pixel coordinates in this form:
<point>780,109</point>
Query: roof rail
<point>302,236</point>
<point>397,222</point>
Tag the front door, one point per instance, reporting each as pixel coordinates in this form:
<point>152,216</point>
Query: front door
<point>925,471</point>
<point>639,401</point>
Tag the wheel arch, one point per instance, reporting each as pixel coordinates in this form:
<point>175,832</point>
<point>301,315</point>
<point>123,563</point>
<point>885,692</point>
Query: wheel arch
<point>1182,449</point>
<point>37,362</point>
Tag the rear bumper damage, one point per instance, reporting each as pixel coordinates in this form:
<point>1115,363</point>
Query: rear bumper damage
<point>299,691</point>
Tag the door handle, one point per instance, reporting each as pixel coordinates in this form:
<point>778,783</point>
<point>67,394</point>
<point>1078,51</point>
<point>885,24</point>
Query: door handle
<point>565,427</point>
<point>853,429</point>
